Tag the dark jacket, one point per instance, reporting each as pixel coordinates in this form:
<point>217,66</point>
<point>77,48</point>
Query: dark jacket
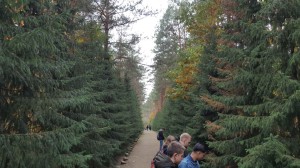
<point>186,153</point>
<point>160,135</point>
<point>163,161</point>
<point>165,149</point>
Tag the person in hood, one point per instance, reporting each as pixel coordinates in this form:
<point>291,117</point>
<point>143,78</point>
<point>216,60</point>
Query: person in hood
<point>173,157</point>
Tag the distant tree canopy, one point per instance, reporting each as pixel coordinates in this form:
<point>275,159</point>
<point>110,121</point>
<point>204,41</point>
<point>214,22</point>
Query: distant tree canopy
<point>235,85</point>
<point>62,104</point>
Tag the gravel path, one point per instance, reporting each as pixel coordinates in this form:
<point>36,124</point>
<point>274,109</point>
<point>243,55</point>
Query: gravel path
<point>143,152</point>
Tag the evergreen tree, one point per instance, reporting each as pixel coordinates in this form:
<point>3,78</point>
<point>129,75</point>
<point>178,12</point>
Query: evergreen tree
<point>113,108</point>
<point>259,117</point>
<point>35,63</point>
<point>189,113</point>
<point>248,83</point>
<point>61,104</point>
<point>168,42</point>
<point>127,62</point>
<point>113,13</point>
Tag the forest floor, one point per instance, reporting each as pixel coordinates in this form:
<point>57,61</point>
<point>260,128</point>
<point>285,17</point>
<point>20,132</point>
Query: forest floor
<point>143,152</point>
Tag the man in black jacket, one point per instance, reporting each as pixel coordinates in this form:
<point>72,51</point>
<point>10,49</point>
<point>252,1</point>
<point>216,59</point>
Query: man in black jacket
<point>174,157</point>
<point>161,138</point>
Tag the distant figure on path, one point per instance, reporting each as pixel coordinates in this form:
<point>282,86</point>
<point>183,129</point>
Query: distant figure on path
<point>147,127</point>
<point>150,127</point>
<point>174,157</point>
<point>185,140</point>
<point>161,138</point>
<point>169,139</point>
<point>191,161</point>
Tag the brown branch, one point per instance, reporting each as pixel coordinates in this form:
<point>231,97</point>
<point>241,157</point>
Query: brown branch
<point>225,70</point>
<point>215,80</point>
<point>215,104</point>
<point>221,107</point>
<point>221,91</point>
<point>124,23</point>
<point>211,129</point>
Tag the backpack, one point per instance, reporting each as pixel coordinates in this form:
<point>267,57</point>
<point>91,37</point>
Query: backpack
<point>157,137</point>
<point>152,165</point>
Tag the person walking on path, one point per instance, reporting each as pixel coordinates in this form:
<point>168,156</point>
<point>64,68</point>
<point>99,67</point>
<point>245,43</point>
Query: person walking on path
<point>161,138</point>
<point>172,159</point>
<point>185,140</point>
<point>191,161</point>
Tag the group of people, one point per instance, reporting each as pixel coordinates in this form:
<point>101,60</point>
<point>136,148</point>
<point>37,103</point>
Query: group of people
<point>174,154</point>
<point>148,127</point>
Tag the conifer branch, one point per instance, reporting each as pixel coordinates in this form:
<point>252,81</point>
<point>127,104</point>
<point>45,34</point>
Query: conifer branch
<point>215,104</point>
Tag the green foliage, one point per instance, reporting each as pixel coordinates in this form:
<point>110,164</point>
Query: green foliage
<point>183,110</point>
<point>272,149</point>
<point>166,49</point>
<point>247,92</point>
<point>257,101</point>
<point>61,105</point>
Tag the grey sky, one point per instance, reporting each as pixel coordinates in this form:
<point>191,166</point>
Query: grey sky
<point>146,27</point>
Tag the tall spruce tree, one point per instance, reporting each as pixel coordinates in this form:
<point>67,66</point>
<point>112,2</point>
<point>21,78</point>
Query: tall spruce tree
<point>35,62</point>
<point>259,118</point>
<point>168,41</point>
<point>61,104</point>
<point>248,83</point>
<point>108,106</point>
<point>113,13</point>
<point>128,63</point>
<point>187,111</point>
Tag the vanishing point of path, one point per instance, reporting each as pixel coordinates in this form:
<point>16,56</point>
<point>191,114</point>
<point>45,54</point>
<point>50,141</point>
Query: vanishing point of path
<point>143,152</point>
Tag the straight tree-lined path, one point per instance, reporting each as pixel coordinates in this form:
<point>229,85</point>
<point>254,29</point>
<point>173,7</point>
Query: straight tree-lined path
<point>143,152</point>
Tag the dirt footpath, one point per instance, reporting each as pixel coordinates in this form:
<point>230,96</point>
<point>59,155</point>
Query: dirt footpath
<point>143,152</point>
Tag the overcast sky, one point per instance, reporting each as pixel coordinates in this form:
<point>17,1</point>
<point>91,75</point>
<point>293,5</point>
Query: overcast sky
<point>146,27</point>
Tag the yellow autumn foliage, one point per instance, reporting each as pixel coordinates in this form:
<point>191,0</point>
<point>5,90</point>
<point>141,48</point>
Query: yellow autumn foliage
<point>184,75</point>
<point>206,20</point>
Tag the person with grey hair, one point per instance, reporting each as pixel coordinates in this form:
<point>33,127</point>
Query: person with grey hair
<point>173,157</point>
<point>185,140</point>
<point>191,161</point>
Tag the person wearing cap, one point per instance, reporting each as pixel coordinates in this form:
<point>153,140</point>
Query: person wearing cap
<point>191,161</point>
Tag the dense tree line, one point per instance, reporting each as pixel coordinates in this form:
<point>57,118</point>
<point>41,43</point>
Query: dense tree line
<point>63,102</point>
<point>236,84</point>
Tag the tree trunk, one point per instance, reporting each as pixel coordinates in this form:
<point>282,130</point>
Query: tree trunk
<point>106,30</point>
